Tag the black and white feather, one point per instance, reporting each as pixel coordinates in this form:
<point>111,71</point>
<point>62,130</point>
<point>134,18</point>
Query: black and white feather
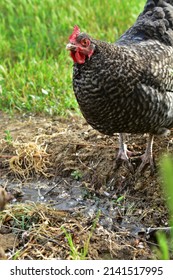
<point>127,86</point>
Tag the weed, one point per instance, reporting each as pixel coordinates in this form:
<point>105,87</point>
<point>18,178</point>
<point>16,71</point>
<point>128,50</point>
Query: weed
<point>76,174</point>
<point>74,251</point>
<point>163,251</point>
<point>167,175</point>
<point>8,136</point>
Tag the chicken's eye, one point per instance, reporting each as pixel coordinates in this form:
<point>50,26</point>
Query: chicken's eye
<point>85,42</point>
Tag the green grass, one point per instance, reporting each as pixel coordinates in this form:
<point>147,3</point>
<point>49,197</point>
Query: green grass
<point>166,170</point>
<point>81,254</point>
<point>35,68</point>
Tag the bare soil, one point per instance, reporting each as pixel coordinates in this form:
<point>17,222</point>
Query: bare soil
<point>66,169</point>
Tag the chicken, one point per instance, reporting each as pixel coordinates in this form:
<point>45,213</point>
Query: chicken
<point>127,86</point>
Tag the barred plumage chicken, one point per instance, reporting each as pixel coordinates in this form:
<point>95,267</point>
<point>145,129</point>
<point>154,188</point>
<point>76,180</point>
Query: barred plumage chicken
<point>127,86</point>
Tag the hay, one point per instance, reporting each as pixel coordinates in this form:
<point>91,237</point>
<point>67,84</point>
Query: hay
<point>29,159</point>
<point>39,235</point>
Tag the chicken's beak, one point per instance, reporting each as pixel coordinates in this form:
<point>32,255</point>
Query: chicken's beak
<point>70,47</point>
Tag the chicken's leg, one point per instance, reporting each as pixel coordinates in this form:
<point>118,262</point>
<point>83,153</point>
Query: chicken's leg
<point>124,153</point>
<point>147,157</point>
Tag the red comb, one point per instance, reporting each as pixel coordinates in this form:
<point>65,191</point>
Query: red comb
<point>76,32</point>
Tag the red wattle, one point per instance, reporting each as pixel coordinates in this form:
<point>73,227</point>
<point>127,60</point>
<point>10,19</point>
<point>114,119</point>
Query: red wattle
<point>78,57</point>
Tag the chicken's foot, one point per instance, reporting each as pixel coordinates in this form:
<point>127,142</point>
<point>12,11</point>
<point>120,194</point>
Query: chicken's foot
<point>147,157</point>
<point>124,153</point>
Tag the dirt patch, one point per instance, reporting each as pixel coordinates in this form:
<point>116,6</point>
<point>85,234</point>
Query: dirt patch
<point>65,165</point>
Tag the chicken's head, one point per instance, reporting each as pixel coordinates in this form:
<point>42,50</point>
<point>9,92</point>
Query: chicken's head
<point>80,46</point>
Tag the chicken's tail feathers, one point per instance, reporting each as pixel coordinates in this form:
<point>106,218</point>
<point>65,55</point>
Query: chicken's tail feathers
<point>155,22</point>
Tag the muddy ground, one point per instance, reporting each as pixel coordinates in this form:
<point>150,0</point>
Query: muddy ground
<point>63,172</point>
